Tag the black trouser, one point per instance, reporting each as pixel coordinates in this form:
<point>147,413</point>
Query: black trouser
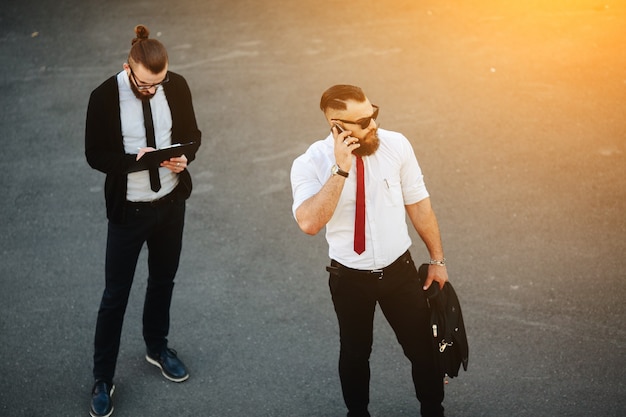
<point>399,293</point>
<point>161,227</point>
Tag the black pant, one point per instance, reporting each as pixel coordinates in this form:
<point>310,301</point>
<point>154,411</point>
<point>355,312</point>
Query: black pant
<point>399,293</point>
<point>161,227</point>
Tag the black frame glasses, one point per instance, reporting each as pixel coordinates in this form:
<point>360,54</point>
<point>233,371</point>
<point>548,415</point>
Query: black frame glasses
<point>365,122</point>
<point>147,87</point>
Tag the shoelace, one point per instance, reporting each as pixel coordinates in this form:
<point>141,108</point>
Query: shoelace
<point>101,386</point>
<point>171,352</point>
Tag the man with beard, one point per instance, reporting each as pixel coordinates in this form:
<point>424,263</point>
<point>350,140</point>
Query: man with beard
<point>143,107</point>
<point>359,183</point>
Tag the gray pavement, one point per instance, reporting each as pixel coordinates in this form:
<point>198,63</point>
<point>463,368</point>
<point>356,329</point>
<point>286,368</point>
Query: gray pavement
<point>516,113</point>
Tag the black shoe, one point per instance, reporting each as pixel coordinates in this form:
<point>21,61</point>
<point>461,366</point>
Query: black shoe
<point>363,413</point>
<point>171,367</point>
<point>101,404</point>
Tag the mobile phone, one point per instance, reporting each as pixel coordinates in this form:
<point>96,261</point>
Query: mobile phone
<point>339,128</point>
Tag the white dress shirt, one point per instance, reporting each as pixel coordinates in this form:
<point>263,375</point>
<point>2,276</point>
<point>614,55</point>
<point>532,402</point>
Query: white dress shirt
<point>393,179</point>
<point>134,134</point>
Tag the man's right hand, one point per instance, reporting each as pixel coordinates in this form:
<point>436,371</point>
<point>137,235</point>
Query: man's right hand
<point>344,145</point>
<point>142,152</point>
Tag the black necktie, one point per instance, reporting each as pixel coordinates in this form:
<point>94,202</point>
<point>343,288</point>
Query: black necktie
<point>155,181</point>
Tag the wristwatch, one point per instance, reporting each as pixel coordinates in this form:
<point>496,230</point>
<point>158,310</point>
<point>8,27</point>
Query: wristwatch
<point>338,171</point>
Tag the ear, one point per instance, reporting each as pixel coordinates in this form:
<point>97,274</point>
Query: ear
<point>126,66</point>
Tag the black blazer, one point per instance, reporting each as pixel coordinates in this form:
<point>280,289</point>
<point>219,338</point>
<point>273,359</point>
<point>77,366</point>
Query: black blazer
<point>104,147</point>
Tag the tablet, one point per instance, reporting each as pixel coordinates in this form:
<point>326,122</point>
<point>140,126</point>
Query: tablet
<point>154,158</point>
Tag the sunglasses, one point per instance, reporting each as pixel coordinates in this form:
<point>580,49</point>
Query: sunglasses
<point>143,86</point>
<point>365,122</point>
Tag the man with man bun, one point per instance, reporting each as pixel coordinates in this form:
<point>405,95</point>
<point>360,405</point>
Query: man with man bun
<point>142,108</point>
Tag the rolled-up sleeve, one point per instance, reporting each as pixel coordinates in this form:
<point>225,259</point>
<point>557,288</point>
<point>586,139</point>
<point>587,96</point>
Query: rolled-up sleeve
<point>413,185</point>
<point>304,181</point>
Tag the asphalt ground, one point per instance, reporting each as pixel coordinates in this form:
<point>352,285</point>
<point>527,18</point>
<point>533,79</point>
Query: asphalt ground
<point>516,111</point>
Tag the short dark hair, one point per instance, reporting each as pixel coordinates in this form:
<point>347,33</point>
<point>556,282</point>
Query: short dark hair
<point>148,52</point>
<point>336,96</point>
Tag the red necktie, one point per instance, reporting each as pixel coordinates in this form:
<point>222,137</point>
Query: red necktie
<point>359,218</point>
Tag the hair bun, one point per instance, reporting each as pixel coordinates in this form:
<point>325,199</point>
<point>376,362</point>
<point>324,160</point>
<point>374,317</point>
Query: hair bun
<point>141,33</point>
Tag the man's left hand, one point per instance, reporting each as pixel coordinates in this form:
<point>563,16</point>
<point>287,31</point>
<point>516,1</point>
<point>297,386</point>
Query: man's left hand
<point>176,165</point>
<point>436,273</point>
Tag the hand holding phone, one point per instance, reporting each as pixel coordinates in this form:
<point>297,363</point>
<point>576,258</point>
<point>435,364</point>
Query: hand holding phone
<point>344,145</point>
<point>348,140</point>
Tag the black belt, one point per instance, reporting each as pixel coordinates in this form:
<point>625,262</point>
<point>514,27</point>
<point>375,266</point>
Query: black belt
<point>170,198</point>
<point>396,266</point>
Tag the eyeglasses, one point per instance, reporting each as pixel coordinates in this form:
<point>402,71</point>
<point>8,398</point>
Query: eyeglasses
<point>144,87</point>
<point>365,122</point>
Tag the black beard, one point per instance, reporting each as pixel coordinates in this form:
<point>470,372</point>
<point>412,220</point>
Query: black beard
<point>139,94</point>
<point>369,144</point>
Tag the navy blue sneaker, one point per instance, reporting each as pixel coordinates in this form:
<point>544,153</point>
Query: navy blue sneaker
<point>171,367</point>
<point>101,404</point>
